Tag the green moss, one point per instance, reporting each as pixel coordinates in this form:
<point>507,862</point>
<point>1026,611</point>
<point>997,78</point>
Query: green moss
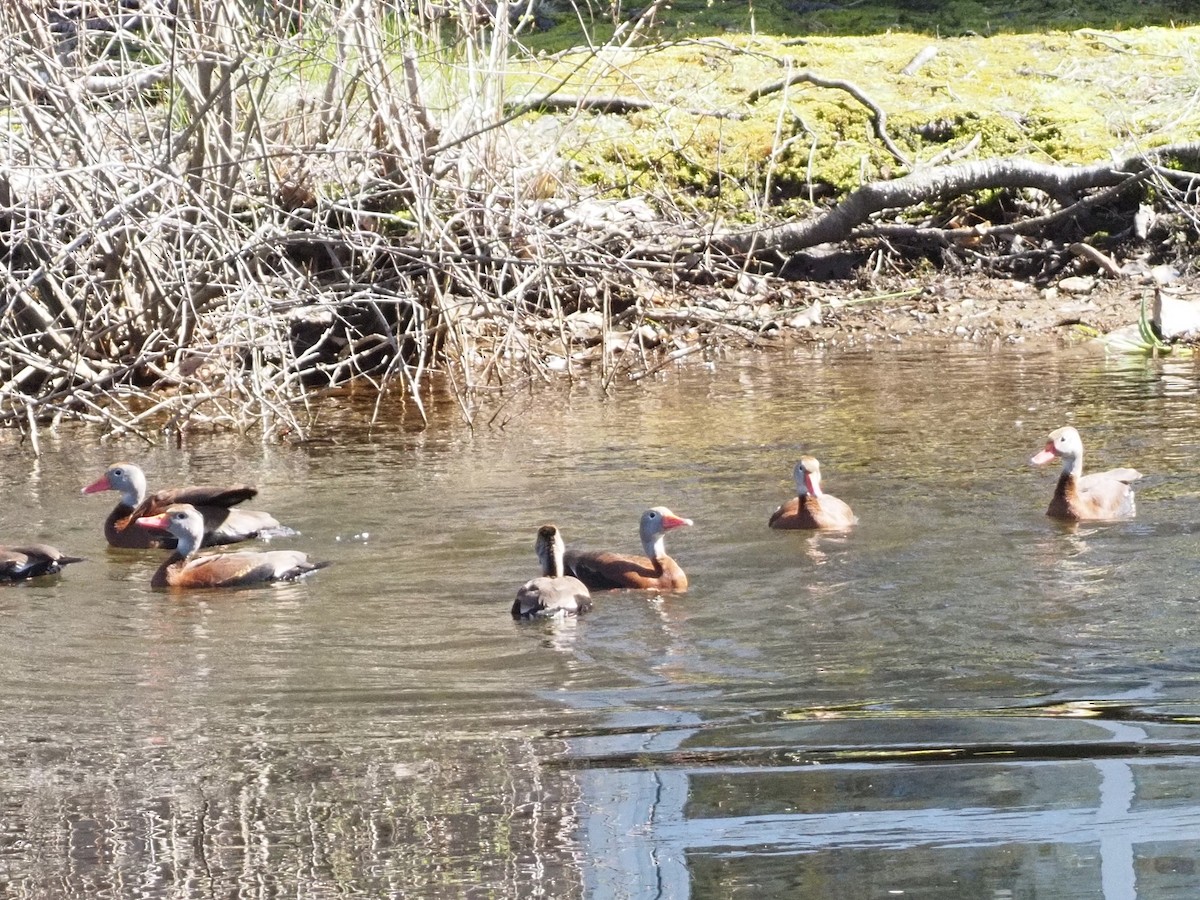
<point>945,18</point>
<point>1060,97</point>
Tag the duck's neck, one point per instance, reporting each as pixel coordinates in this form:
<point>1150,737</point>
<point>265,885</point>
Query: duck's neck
<point>1067,488</point>
<point>133,496</point>
<point>187,544</point>
<point>1073,465</point>
<point>802,486</point>
<point>551,557</point>
<point>655,545</point>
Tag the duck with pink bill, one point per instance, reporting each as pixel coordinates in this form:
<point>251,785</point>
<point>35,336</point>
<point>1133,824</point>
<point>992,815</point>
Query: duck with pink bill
<point>1101,496</point>
<point>222,523</point>
<point>811,508</point>
<point>605,570</point>
<point>184,569</point>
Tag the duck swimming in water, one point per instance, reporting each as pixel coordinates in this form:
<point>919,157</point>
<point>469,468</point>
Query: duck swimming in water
<point>811,507</point>
<point>222,523</point>
<point>553,593</point>
<point>604,570</point>
<point>1077,497</point>
<point>185,569</point>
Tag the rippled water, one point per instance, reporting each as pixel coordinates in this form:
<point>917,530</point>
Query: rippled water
<point>959,698</point>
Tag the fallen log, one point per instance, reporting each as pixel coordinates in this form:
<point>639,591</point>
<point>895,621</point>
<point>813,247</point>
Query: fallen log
<point>1063,183</point>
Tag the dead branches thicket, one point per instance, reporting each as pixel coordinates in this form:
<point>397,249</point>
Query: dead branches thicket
<point>208,210</point>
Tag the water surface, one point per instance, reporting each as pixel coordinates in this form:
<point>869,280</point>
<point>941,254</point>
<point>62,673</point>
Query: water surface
<point>958,698</point>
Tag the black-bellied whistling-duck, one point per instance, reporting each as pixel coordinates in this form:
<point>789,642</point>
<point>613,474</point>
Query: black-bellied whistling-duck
<point>655,571</point>
<point>553,594</point>
<point>32,560</point>
<point>242,567</point>
<point>811,508</point>
<point>1079,497</point>
<point>222,525</point>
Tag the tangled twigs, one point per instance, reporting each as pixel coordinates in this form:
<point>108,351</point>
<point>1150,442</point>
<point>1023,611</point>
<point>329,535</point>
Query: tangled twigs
<point>188,247</point>
<point>239,214</point>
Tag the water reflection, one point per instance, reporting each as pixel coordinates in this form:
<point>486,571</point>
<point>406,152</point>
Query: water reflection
<point>1042,603</point>
<point>900,707</point>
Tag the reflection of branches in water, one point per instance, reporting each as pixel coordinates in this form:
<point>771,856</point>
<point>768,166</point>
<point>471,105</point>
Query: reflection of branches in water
<point>270,817</point>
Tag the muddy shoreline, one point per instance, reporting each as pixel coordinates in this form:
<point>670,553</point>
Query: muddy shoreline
<point>1098,313</point>
<point>969,309</point>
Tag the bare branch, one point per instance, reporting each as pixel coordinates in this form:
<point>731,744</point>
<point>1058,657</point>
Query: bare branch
<point>878,116</point>
<point>933,185</point>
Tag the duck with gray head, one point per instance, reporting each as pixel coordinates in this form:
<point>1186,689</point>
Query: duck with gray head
<point>184,569</point>
<point>222,523</point>
<point>605,570</point>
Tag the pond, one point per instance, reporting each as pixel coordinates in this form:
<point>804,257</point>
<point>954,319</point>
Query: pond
<point>957,698</point>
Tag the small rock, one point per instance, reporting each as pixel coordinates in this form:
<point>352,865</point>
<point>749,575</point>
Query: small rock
<point>808,318</point>
<point>1077,284</point>
<point>1164,274</point>
<point>748,284</point>
<point>1174,317</point>
<point>618,342</point>
<point>1127,337</point>
<point>649,336</point>
<point>590,318</point>
<point>1143,221</point>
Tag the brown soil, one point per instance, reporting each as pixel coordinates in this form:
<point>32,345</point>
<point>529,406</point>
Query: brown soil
<point>763,312</point>
<point>979,310</point>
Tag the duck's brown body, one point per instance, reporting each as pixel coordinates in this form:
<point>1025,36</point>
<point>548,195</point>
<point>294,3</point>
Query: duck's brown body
<point>605,570</point>
<point>183,569</point>
<point>32,561</point>
<point>222,523</point>
<point>235,569</point>
<point>811,508</point>
<point>1095,497</point>
<point>824,512</point>
<point>1098,497</point>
